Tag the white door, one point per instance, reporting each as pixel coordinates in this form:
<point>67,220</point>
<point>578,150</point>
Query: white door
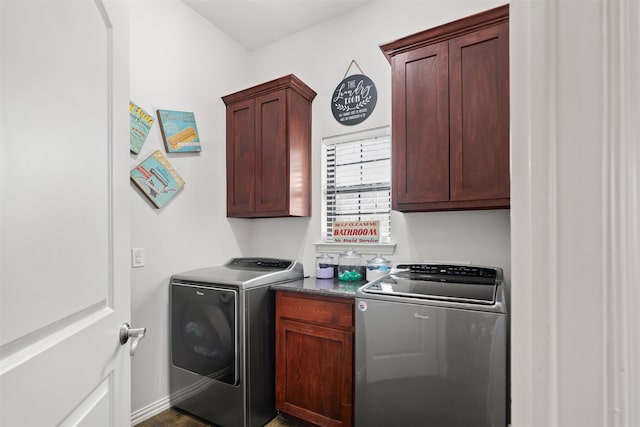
<point>64,232</point>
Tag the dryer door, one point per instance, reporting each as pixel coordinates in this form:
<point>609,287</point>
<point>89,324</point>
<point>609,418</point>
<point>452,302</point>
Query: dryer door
<point>204,325</point>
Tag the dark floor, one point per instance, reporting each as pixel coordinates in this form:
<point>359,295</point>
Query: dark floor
<point>176,418</point>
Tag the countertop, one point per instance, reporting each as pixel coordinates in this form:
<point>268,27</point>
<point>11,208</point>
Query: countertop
<point>326,287</point>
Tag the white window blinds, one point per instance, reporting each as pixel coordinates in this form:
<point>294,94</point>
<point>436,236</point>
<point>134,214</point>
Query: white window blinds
<point>356,172</point>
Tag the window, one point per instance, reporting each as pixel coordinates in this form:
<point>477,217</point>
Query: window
<point>356,180</point>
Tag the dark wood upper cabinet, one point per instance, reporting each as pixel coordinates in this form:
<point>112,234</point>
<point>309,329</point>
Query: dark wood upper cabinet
<point>269,149</point>
<point>450,115</point>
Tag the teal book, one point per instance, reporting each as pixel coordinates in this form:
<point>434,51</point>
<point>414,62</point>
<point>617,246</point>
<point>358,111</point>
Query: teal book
<point>141,123</point>
<point>179,131</point>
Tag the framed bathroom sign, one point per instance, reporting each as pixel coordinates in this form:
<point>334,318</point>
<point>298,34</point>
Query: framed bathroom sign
<point>354,99</point>
<point>356,231</point>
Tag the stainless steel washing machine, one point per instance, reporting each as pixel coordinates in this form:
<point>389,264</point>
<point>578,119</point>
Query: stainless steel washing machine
<point>223,340</point>
<point>431,348</point>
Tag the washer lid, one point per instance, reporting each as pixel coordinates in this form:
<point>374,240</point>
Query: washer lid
<point>454,283</point>
<point>246,272</point>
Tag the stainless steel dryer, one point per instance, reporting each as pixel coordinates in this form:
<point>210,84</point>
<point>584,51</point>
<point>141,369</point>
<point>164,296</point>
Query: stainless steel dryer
<point>431,348</point>
<point>223,340</point>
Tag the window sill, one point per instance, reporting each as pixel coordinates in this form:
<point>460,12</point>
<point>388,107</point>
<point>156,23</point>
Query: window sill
<point>361,248</point>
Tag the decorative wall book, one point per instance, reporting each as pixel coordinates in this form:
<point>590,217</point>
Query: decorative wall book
<point>179,131</point>
<point>141,123</point>
<point>157,179</point>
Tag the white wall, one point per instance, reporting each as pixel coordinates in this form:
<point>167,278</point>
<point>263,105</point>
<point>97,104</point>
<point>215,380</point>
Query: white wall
<point>179,61</point>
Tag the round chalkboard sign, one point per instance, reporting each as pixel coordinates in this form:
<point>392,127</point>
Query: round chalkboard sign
<point>354,99</point>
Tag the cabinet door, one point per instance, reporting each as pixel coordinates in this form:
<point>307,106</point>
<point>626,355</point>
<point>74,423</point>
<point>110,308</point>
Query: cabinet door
<point>272,155</point>
<point>314,368</point>
<point>420,126</point>
<point>240,158</point>
<point>479,97</point>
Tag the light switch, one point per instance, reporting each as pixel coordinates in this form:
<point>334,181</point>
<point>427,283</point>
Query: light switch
<point>137,257</point>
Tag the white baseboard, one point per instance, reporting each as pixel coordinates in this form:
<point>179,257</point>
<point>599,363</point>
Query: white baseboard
<point>150,410</point>
<point>165,403</point>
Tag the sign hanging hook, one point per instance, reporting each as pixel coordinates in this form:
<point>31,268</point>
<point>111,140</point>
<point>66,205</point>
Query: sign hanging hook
<point>353,61</point>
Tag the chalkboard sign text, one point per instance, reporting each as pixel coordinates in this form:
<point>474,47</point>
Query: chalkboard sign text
<point>354,99</point>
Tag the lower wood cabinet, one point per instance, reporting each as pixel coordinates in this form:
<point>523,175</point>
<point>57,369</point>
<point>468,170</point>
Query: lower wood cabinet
<point>314,358</point>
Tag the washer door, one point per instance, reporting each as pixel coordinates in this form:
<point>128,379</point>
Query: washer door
<point>204,331</point>
<point>444,365</point>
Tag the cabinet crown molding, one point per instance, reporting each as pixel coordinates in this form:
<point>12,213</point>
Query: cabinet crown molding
<point>285,82</point>
<point>446,31</point>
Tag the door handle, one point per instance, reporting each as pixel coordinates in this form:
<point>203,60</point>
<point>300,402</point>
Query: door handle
<point>127,332</point>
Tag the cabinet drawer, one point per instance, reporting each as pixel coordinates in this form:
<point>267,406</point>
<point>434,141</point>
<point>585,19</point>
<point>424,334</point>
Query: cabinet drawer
<point>334,312</point>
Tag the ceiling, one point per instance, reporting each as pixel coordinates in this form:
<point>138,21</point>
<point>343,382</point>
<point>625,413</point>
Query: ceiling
<point>257,23</point>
